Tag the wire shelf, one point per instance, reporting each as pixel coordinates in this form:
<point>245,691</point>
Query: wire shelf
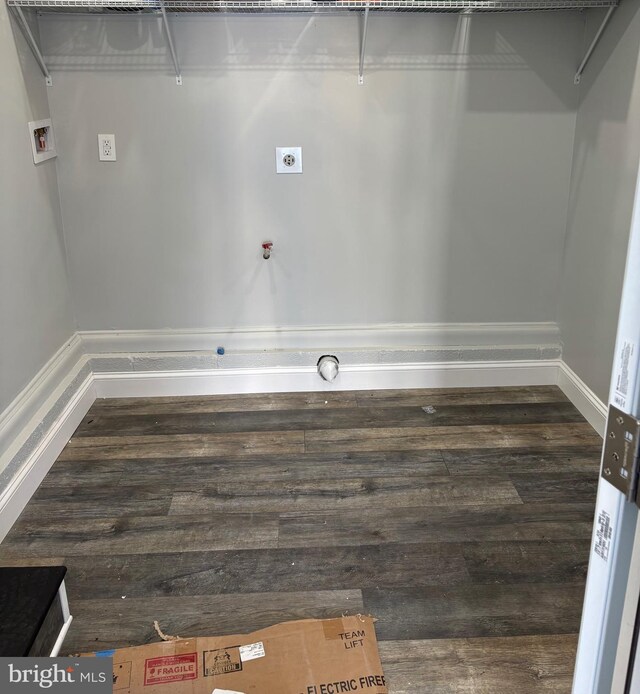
<point>163,7</point>
<point>278,6</point>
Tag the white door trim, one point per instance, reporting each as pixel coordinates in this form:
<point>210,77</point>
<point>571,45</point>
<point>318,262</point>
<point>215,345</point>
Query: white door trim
<point>602,615</point>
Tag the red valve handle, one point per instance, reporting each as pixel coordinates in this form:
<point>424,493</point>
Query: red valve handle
<point>267,245</point>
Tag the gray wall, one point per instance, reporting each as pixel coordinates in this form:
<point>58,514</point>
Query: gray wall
<point>435,193</point>
<point>35,305</point>
<point>605,168</point>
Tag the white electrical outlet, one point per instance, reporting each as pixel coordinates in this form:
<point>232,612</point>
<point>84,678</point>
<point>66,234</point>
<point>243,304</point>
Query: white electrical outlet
<point>289,160</point>
<point>107,147</point>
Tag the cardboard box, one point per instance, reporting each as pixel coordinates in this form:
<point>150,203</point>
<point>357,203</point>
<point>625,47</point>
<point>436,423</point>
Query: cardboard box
<point>312,656</point>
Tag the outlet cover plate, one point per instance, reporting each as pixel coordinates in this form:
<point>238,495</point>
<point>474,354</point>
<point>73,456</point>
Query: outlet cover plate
<point>107,147</point>
<point>289,160</point>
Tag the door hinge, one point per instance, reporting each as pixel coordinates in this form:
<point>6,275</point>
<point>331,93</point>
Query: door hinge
<point>622,453</point>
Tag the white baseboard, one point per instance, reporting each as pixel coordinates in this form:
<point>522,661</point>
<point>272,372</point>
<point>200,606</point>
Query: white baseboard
<point>330,337</point>
<point>14,497</point>
<point>360,377</point>
<point>586,401</point>
<point>18,415</point>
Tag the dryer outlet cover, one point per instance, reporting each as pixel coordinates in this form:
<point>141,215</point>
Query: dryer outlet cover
<point>289,160</point>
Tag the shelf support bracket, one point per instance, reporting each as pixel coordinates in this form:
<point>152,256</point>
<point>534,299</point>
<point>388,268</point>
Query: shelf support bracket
<point>594,43</point>
<point>363,45</point>
<point>174,57</point>
<point>33,44</point>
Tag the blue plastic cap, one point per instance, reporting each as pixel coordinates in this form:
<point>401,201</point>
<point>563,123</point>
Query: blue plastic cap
<point>220,350</point>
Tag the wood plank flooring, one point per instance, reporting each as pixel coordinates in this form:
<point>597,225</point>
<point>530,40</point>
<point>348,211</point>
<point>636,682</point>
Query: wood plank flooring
<point>464,529</point>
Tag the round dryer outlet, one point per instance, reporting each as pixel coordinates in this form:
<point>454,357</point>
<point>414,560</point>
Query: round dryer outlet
<point>289,160</point>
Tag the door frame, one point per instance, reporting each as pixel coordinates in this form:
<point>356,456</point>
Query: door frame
<point>605,641</point>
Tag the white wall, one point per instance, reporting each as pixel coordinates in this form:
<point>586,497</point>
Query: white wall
<point>435,193</point>
<point>35,305</point>
<point>605,168</point>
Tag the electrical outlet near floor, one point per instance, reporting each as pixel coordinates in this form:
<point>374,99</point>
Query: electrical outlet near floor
<point>107,147</point>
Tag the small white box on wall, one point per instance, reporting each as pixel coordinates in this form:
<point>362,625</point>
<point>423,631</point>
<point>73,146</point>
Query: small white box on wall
<point>43,143</point>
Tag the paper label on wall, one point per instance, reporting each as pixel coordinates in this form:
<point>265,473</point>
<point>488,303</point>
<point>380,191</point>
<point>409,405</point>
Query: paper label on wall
<point>252,651</point>
<point>604,532</point>
<point>626,369</point>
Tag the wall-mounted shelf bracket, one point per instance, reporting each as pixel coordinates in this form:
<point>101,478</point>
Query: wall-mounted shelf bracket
<point>33,44</point>
<point>174,57</point>
<point>594,43</point>
<point>363,45</point>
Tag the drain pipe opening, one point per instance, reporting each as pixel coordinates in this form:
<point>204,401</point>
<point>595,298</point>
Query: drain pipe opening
<point>328,366</point>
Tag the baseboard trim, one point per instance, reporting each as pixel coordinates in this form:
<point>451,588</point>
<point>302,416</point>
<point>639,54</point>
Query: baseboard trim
<point>22,486</point>
<point>333,337</point>
<point>18,415</point>
<point>586,401</point>
<point>360,377</point>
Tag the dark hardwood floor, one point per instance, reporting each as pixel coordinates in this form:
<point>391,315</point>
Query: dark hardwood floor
<point>464,530</point>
